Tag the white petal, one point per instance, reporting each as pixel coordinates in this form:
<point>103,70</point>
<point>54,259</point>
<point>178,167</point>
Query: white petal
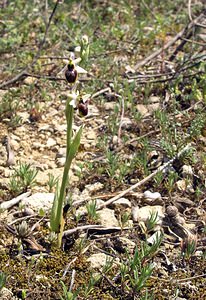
<point>80,70</point>
<point>73,103</point>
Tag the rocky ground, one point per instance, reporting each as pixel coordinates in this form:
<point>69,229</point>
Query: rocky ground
<point>136,187</point>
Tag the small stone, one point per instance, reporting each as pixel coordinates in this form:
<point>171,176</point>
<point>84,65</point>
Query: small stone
<point>126,123</point>
<point>6,294</point>
<point>61,152</point>
<point>91,135</point>
<point>143,213</point>
<point>152,196</point>
<point>28,211</point>
<point>15,145</point>
<point>30,80</point>
<point>91,188</point>
<point>154,99</point>
<point>107,218</point>
<point>142,109</point>
<point>60,128</point>
<point>126,244</point>
<point>50,142</point>
<point>181,185</point>
<point>98,260</point>
<point>110,105</point>
<point>93,111</point>
<point>184,185</point>
<point>46,127</point>
<point>172,211</point>
<point>41,178</point>
<point>122,203</point>
<point>39,201</point>
<point>187,171</point>
<point>153,107</point>
<point>61,161</point>
<point>37,145</point>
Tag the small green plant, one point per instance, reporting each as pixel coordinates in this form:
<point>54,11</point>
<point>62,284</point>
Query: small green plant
<point>22,178</point>
<point>113,163</point>
<point>22,230</point>
<point>81,245</point>
<point>23,294</point>
<point>68,295</point>
<point>147,296</point>
<point>123,219</point>
<point>151,221</point>
<point>158,179</point>
<point>2,280</point>
<point>52,182</point>
<point>170,181</point>
<point>188,247</point>
<point>197,125</point>
<point>10,104</point>
<point>137,269</point>
<point>108,265</point>
<point>137,279</point>
<point>92,210</point>
<point>89,287</point>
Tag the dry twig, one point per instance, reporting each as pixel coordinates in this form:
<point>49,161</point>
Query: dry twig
<point>180,34</point>
<point>25,70</point>
<point>143,181</point>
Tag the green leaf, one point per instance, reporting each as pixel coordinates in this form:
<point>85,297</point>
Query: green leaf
<point>53,223</point>
<point>75,144</point>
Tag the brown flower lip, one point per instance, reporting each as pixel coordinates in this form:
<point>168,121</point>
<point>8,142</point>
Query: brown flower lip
<point>71,73</point>
<point>83,108</point>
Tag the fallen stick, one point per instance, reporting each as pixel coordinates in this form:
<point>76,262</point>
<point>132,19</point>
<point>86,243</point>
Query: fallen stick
<point>170,43</point>
<point>14,201</point>
<point>143,181</point>
<point>36,57</point>
<point>98,229</point>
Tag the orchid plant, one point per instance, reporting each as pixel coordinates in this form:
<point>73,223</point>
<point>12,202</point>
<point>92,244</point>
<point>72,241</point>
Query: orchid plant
<point>79,101</point>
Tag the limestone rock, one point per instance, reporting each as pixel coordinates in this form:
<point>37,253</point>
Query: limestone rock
<point>30,80</point>
<point>126,244</point>
<point>142,109</point>
<point>110,105</point>
<point>152,198</point>
<point>143,213</point>
<point>6,294</point>
<point>91,188</point>
<point>107,218</point>
<point>98,260</point>
<point>187,171</point>
<point>50,142</point>
<point>122,203</point>
<point>39,201</point>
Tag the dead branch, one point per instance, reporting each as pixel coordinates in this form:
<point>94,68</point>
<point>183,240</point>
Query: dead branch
<point>143,181</point>
<point>171,42</point>
<point>40,47</point>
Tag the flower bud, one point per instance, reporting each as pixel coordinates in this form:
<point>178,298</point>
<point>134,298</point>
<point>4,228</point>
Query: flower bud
<point>71,73</point>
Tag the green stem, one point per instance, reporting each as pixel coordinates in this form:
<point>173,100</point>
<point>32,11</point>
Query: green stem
<point>69,117</point>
